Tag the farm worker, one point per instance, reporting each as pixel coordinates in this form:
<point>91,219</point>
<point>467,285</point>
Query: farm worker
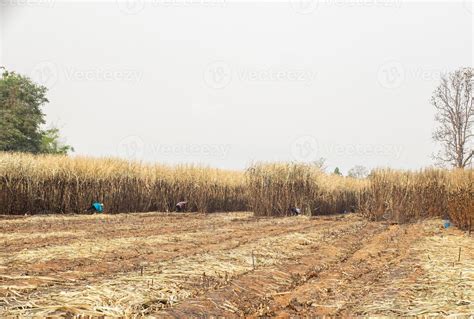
<point>446,221</point>
<point>295,211</point>
<point>96,207</point>
<point>351,210</point>
<point>181,206</point>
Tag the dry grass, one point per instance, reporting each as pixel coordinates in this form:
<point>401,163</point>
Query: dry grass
<point>55,184</point>
<point>460,202</point>
<point>406,196</point>
<point>58,184</point>
<point>400,196</point>
<point>276,187</point>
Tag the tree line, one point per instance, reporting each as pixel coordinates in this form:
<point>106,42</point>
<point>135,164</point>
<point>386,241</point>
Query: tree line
<point>22,118</point>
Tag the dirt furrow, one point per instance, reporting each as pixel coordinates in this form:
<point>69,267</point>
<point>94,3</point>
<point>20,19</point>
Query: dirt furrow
<point>339,289</point>
<point>94,260</point>
<point>253,293</point>
<point>55,230</point>
<point>220,247</point>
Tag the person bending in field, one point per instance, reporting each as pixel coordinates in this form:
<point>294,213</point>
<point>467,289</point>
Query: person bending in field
<point>294,211</point>
<point>95,207</point>
<point>181,206</point>
<point>350,210</point>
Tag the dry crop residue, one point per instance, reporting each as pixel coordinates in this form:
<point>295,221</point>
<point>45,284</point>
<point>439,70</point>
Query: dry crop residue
<point>231,264</point>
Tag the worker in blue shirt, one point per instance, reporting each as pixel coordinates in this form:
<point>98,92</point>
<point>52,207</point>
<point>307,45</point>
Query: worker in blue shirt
<point>96,207</point>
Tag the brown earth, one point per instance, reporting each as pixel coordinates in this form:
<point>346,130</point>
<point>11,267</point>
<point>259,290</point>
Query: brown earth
<point>232,265</point>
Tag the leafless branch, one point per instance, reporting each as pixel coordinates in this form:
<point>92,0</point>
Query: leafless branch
<point>453,101</point>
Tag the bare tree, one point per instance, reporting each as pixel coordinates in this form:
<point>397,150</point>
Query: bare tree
<point>320,164</point>
<point>358,171</point>
<point>453,100</point>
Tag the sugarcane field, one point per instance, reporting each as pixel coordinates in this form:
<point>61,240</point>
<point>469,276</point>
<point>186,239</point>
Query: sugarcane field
<point>236,159</point>
<point>342,253</point>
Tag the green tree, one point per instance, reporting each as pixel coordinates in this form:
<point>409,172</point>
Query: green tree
<point>21,117</point>
<point>50,143</point>
<point>337,171</point>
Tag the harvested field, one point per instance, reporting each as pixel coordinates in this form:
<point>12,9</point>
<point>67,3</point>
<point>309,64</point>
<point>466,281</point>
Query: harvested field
<point>232,264</point>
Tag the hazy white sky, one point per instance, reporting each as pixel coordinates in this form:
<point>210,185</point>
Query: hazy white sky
<point>225,83</point>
